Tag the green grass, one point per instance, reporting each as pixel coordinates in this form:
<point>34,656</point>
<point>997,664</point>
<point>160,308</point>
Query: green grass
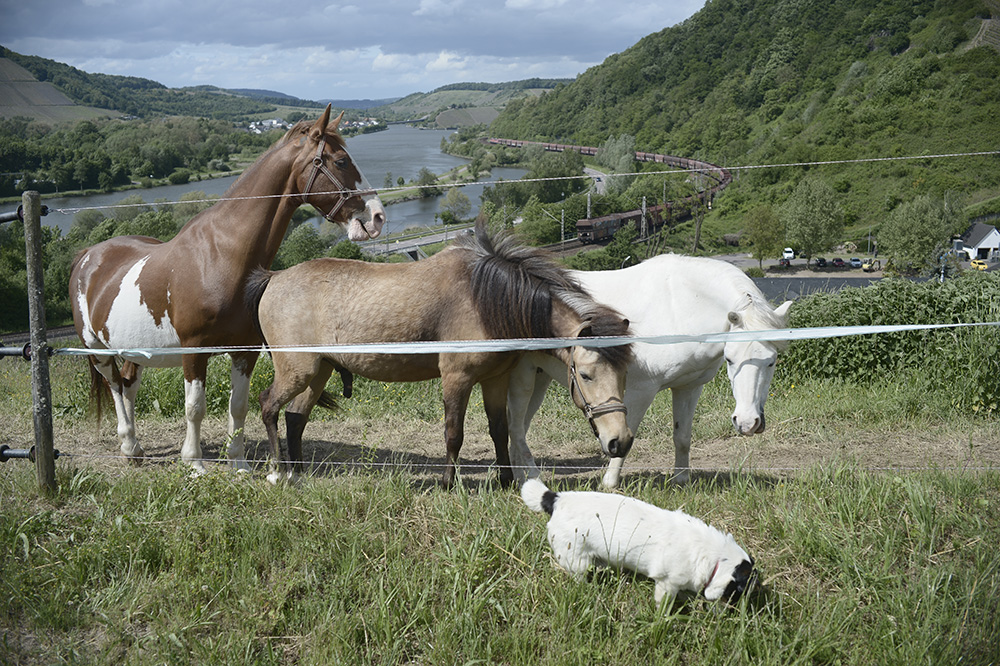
<point>156,567</point>
<point>860,564</point>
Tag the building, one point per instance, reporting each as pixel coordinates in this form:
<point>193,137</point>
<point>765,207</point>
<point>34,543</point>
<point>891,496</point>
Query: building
<point>981,241</point>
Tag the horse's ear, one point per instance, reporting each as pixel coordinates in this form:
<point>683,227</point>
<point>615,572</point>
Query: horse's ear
<point>584,330</point>
<point>336,121</point>
<point>319,127</point>
<point>782,310</point>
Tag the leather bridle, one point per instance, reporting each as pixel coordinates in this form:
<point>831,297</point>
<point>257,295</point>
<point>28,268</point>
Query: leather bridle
<point>345,193</point>
<point>592,411</point>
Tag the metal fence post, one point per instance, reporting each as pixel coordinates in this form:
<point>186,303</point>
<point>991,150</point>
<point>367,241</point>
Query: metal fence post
<point>45,466</point>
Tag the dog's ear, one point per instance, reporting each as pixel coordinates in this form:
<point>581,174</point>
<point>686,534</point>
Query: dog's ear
<point>744,578</point>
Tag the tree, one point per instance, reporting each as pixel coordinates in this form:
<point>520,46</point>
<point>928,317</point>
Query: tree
<point>814,220</point>
<point>427,180</point>
<point>455,206</point>
<point>916,234</point>
<point>618,156</point>
<point>301,244</point>
<point>763,232</point>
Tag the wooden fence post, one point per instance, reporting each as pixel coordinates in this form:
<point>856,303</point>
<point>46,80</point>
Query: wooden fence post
<point>41,391</point>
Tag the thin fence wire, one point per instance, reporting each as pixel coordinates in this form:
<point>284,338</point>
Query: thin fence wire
<point>666,172</point>
<point>315,467</point>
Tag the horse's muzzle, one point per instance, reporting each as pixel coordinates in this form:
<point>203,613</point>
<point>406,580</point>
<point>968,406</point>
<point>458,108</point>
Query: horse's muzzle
<point>754,427</point>
<point>619,447</point>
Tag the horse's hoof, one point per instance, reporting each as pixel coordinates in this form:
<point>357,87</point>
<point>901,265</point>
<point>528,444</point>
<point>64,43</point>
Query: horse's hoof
<point>681,478</point>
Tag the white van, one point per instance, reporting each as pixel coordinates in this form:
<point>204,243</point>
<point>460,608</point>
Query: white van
<point>789,253</point>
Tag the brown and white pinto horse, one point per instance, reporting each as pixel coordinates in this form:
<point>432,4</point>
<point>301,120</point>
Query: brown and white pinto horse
<point>135,292</point>
<point>479,289</point>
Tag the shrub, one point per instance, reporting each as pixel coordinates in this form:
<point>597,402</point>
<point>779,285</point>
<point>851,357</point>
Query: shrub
<point>962,361</point>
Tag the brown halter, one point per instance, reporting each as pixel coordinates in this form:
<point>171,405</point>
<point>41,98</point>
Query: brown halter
<point>589,410</point>
<point>320,167</point>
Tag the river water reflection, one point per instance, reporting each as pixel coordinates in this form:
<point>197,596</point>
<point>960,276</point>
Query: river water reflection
<point>400,151</point>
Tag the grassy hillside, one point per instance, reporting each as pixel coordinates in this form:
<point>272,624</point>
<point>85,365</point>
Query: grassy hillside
<point>478,102</point>
<point>764,82</point>
<point>137,96</point>
<point>21,94</point>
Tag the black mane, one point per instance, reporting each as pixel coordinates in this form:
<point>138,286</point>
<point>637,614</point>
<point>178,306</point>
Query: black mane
<point>514,286</point>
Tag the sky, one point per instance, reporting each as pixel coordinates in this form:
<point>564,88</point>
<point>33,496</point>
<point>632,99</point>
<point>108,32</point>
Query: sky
<point>375,49</point>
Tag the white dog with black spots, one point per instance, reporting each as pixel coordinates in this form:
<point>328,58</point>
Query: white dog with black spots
<point>677,551</point>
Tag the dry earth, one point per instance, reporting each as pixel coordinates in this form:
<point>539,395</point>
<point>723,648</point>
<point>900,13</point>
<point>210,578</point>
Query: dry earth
<point>344,444</point>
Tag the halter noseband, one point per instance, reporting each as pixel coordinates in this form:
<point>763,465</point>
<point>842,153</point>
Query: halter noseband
<point>593,411</point>
<point>320,167</point>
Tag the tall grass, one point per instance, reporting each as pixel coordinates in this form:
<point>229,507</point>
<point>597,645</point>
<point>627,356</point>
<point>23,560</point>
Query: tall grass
<point>860,565</point>
<point>156,567</point>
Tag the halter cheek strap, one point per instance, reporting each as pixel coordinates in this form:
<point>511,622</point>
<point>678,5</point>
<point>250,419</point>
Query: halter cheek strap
<point>589,410</point>
<point>320,167</point>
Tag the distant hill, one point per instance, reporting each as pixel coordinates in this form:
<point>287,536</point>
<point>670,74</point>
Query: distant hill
<point>136,96</point>
<point>359,104</point>
<point>475,102</point>
<point>21,94</point>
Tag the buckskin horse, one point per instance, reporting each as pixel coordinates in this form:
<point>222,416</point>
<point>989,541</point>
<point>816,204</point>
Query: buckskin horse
<point>482,287</point>
<point>668,295</point>
<point>134,292</point>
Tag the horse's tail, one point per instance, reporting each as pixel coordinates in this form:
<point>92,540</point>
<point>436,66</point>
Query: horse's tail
<point>538,497</point>
<point>327,401</point>
<point>100,392</point>
<point>257,282</point>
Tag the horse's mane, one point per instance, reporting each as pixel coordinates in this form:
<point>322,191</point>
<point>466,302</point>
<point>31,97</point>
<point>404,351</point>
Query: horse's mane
<point>758,315</point>
<point>299,128</point>
<point>514,286</point>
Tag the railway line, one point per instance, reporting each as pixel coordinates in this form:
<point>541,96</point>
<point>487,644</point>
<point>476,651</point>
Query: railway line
<point>590,230</point>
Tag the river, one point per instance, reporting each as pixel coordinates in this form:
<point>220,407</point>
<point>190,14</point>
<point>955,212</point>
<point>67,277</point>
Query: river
<point>401,150</point>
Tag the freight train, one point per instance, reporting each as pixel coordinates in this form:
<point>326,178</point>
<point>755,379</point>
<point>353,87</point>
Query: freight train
<point>594,229</point>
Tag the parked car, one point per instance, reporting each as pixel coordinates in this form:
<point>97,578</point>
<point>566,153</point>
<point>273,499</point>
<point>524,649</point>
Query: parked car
<point>837,262</point>
<point>789,253</point>
<point>784,263</point>
<point>820,262</point>
<point>855,262</point>
<point>978,264</point>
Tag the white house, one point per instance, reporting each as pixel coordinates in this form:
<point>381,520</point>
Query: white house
<point>981,241</point>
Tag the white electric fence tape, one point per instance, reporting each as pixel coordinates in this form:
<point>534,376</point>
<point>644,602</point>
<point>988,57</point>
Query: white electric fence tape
<point>529,344</point>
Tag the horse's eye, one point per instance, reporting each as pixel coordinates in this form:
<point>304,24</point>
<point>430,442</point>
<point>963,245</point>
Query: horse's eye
<point>341,163</point>
<point>586,377</point>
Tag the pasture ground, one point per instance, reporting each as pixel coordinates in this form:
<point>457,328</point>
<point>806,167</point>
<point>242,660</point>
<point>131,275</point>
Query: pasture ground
<point>872,514</point>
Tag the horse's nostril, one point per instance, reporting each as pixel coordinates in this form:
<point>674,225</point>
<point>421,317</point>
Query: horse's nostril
<point>613,447</point>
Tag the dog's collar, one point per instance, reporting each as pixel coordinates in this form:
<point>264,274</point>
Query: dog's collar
<point>709,581</point>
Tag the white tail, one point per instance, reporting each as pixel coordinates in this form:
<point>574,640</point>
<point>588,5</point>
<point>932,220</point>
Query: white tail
<point>533,493</point>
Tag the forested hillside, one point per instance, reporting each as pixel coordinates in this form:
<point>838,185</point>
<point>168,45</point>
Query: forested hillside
<point>143,97</point>
<point>764,82</point>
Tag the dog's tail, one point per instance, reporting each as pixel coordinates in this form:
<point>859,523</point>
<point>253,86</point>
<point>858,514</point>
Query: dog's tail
<point>538,497</point>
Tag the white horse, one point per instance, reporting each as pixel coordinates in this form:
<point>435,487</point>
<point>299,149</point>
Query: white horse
<point>666,295</point>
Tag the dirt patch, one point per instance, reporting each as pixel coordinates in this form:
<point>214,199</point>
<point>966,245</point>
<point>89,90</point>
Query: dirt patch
<point>348,444</point>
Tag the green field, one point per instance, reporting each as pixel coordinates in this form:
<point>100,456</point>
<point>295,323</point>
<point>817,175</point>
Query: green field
<point>871,512</point>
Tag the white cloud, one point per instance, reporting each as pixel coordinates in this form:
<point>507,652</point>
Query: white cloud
<point>538,5</point>
<point>381,48</point>
<point>438,7</point>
